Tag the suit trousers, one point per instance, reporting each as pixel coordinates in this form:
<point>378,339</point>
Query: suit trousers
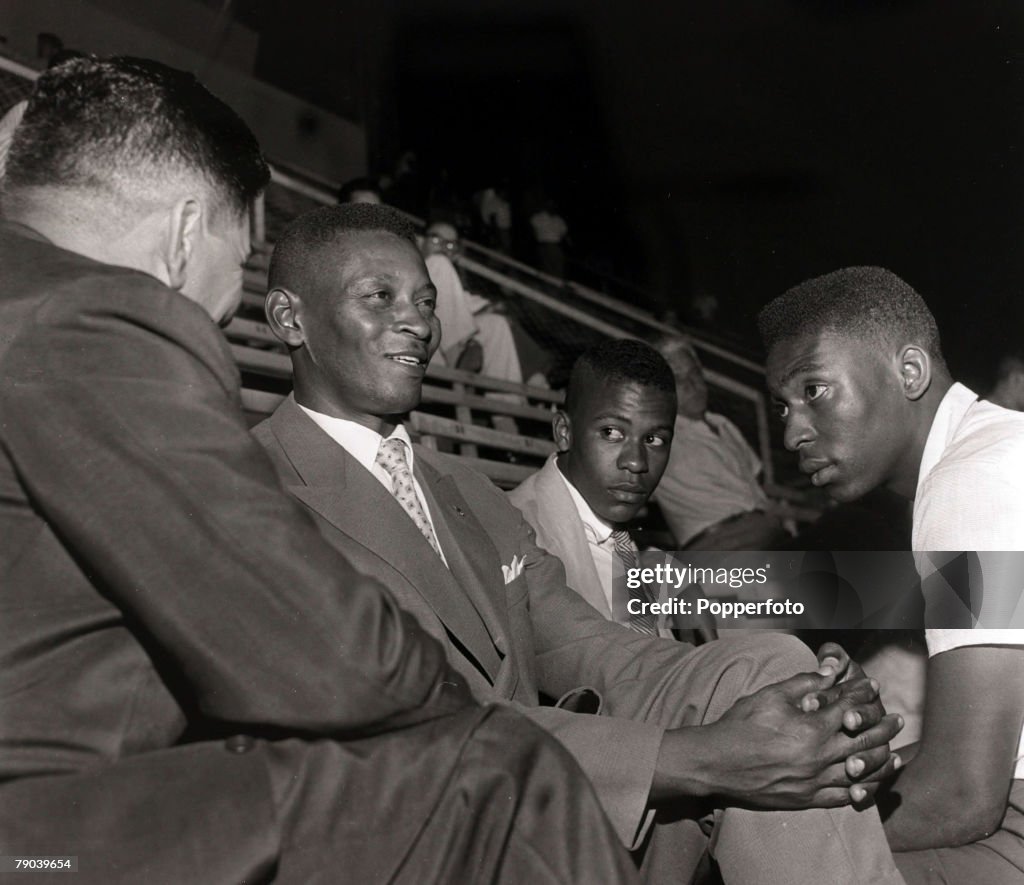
<point>834,845</point>
<point>509,805</point>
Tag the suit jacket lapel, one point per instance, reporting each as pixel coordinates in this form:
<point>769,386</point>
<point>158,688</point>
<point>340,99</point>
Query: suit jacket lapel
<point>473,558</point>
<point>561,531</point>
<point>351,499</point>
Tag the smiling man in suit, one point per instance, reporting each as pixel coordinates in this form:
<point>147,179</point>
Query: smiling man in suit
<point>351,298</point>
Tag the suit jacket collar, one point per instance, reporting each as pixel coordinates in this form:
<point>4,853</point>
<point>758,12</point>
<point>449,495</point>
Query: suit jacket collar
<point>560,531</point>
<point>334,485</point>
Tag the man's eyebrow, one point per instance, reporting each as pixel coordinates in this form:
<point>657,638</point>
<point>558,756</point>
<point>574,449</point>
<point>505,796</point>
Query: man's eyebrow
<point>808,366</point>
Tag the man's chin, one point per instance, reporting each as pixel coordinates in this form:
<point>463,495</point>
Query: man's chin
<point>401,405</point>
<point>846,492</point>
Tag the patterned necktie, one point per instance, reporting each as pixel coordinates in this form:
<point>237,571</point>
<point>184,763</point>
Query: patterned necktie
<point>391,456</point>
<point>626,549</point>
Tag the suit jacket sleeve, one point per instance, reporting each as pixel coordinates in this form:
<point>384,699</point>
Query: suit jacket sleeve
<point>123,425</point>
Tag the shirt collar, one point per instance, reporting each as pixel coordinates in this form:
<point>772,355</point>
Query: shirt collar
<point>597,530</point>
<point>359,441</point>
<point>951,411</point>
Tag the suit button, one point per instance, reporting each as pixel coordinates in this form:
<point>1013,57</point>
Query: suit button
<point>239,743</point>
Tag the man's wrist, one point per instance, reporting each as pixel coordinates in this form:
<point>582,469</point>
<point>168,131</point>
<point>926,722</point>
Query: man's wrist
<point>687,762</point>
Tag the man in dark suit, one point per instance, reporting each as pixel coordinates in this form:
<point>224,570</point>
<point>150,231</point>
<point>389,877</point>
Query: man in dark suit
<point>159,594</point>
<point>351,297</point>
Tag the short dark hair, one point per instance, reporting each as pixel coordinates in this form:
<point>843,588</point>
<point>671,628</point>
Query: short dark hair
<point>123,122</point>
<point>863,302</point>
<point>298,247</point>
<point>623,360</point>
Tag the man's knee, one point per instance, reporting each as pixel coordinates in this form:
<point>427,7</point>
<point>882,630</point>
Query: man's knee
<point>782,656</point>
<point>754,661</point>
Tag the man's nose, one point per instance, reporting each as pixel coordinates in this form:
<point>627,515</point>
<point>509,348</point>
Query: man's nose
<point>799,430</point>
<point>409,318</point>
<point>633,457</point>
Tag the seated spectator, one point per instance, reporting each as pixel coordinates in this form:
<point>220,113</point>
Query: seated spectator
<point>476,336</point>
<point>550,232</point>
<point>360,190</point>
<point>614,436</point>
<point>351,298</point>
<point>196,687</point>
<point>496,216</point>
<point>710,494</point>
<point>1008,391</point>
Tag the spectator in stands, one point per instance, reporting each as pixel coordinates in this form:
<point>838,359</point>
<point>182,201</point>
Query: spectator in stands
<point>476,337</point>
<point>614,436</point>
<point>1008,391</point>
<point>161,593</point>
<point>360,190</point>
<point>351,298</point>
<point>550,233</point>
<point>710,494</point>
<point>856,368</point>
<point>496,216</point>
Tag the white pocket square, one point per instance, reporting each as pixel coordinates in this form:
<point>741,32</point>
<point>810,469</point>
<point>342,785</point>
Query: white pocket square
<point>511,572</point>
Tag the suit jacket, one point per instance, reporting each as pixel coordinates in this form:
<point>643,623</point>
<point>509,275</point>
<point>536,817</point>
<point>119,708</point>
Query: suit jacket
<point>510,638</point>
<point>151,592</point>
<point>546,504</point>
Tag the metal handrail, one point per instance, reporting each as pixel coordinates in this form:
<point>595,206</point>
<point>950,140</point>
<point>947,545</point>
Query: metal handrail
<point>15,67</point>
<point>616,305</point>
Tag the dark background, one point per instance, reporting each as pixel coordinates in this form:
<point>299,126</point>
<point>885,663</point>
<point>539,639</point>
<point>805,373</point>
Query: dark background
<point>730,148</point>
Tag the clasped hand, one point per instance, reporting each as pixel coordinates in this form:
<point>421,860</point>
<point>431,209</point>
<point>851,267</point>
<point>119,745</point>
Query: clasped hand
<point>814,740</point>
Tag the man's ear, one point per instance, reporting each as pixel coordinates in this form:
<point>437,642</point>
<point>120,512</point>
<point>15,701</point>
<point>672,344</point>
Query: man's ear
<point>185,229</point>
<point>915,371</point>
<point>284,316</point>
<point>561,430</point>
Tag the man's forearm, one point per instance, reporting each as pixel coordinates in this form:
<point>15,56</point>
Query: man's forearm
<point>920,810</point>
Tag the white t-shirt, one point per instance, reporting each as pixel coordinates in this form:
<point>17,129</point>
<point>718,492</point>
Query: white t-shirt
<point>970,497</point>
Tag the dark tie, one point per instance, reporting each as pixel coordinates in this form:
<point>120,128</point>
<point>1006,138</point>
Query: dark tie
<point>391,456</point>
<point>626,549</point>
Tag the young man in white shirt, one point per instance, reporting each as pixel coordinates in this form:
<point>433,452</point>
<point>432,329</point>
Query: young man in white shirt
<point>855,367</point>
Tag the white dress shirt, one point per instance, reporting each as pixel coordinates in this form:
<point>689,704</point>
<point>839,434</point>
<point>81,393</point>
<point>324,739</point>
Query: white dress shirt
<point>602,548</point>
<point>363,444</point>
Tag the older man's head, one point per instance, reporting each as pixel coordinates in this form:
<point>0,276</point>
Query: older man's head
<point>131,162</point>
